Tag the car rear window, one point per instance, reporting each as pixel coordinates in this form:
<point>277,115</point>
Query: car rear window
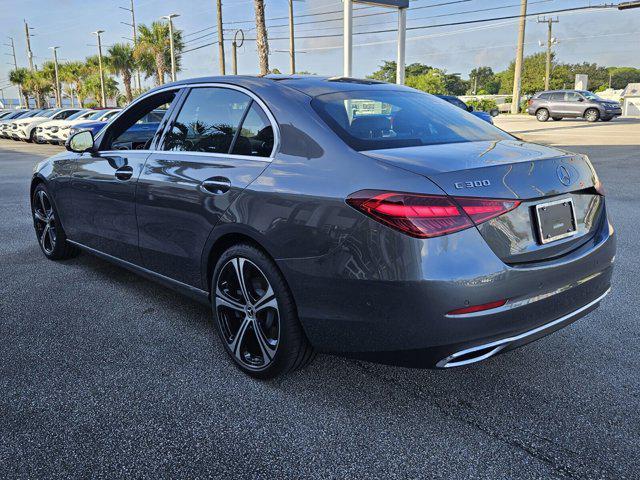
<point>375,119</point>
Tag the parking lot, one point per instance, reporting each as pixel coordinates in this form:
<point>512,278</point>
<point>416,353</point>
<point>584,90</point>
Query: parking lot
<point>106,374</point>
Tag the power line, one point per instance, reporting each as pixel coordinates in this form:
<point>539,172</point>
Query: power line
<point>422,27</point>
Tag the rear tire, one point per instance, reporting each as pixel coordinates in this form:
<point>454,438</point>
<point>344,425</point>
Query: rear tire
<point>51,236</point>
<point>255,314</point>
<point>557,119</point>
<point>592,115</point>
<point>542,115</point>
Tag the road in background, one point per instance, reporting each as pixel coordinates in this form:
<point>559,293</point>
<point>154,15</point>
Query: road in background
<point>104,373</point>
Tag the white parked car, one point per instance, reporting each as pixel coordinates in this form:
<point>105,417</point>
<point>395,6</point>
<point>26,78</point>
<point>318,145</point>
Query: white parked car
<point>57,131</point>
<point>5,121</point>
<point>26,128</point>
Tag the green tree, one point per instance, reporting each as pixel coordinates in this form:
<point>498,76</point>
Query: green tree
<point>121,62</point>
<point>74,74</point>
<point>623,76</point>
<point>453,84</point>
<point>483,81</point>
<point>387,71</point>
<point>430,82</point>
<point>153,50</point>
<point>19,77</point>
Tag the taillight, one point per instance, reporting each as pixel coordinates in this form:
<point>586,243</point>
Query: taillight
<point>530,102</point>
<point>425,216</point>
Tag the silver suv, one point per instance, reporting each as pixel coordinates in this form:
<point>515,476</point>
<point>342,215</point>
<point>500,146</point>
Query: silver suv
<point>559,104</point>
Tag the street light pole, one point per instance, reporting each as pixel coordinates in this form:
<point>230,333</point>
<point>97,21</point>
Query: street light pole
<point>55,65</point>
<point>348,38</point>
<point>517,77</point>
<point>173,55</point>
<point>103,102</point>
<point>135,38</point>
<point>550,21</point>
<point>402,38</point>
<point>235,46</point>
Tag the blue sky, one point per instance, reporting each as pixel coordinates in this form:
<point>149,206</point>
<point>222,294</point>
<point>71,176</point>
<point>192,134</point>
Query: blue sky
<point>607,37</point>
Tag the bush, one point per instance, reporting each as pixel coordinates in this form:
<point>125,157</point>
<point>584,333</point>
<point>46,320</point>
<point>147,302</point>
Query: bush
<point>483,105</point>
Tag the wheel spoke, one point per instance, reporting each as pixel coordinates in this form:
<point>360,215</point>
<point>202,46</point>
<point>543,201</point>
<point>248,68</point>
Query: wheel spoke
<point>239,338</point>
<point>268,295</point>
<point>43,236</point>
<point>238,265</point>
<point>39,216</point>
<point>42,205</point>
<point>268,303</point>
<point>225,300</point>
<point>265,348</point>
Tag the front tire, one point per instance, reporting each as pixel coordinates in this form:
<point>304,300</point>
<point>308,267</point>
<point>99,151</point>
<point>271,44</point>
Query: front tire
<point>255,314</point>
<point>51,236</point>
<point>592,115</point>
<point>542,115</point>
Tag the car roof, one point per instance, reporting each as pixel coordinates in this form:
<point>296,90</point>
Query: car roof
<point>311,85</point>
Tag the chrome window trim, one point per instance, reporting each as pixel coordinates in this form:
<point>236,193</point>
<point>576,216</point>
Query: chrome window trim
<point>253,96</point>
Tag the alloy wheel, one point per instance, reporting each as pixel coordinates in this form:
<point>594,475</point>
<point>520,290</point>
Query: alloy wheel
<point>45,222</point>
<point>247,312</point>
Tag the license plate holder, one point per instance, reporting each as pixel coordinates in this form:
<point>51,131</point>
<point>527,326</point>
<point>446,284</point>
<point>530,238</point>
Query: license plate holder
<point>556,220</point>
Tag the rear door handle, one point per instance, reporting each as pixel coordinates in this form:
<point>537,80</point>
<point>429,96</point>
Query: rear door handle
<point>217,185</point>
<point>124,173</point>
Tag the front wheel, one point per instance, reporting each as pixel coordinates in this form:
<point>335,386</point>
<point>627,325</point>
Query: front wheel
<point>592,115</point>
<point>255,314</point>
<point>542,115</point>
<point>51,236</point>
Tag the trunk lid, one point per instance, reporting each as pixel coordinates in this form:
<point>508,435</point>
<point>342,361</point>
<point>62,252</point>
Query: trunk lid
<point>511,169</point>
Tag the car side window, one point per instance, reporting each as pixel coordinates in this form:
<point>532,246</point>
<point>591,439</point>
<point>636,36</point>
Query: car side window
<point>131,130</point>
<point>557,97</point>
<point>544,96</point>
<point>208,121</point>
<point>572,97</point>
<point>256,134</point>
<point>63,115</point>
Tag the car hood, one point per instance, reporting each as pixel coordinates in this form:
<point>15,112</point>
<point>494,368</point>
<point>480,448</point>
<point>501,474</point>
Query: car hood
<point>502,169</point>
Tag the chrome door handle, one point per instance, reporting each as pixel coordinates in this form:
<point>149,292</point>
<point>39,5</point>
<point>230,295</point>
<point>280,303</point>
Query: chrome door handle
<point>217,185</point>
<point>124,173</point>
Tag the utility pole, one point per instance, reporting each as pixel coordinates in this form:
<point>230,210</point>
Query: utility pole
<point>15,65</point>
<point>135,38</point>
<point>517,77</point>
<point>103,102</point>
<point>173,54</point>
<point>2,96</point>
<point>550,41</point>
<point>347,17</point>
<point>30,57</point>
<point>235,46</point>
<point>292,42</point>
<point>262,42</point>
<point>29,53</point>
<point>55,65</point>
<point>220,39</point>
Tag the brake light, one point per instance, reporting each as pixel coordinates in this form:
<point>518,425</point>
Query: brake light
<point>478,308</point>
<point>425,216</point>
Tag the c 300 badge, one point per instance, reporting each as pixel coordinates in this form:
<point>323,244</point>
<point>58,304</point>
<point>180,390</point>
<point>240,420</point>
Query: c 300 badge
<point>472,184</point>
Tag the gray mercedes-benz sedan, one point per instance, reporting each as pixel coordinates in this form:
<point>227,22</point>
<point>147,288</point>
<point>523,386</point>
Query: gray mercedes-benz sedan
<point>335,215</point>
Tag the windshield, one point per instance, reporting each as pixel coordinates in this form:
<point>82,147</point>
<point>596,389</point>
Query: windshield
<point>589,95</point>
<point>76,115</point>
<point>48,113</point>
<point>375,119</point>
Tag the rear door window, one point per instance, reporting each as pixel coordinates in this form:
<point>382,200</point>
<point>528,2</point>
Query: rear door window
<point>255,137</point>
<point>208,121</point>
<point>557,97</point>
<point>572,97</point>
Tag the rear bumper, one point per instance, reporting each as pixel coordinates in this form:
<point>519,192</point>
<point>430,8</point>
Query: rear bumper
<point>401,317</point>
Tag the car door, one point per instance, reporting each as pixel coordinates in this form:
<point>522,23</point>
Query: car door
<point>219,141</point>
<point>557,105</point>
<point>103,184</point>
<point>575,104</point>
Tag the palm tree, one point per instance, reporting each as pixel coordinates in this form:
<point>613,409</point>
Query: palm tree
<point>74,75</point>
<point>262,42</point>
<point>153,50</point>
<point>19,77</point>
<point>122,62</point>
<point>91,87</point>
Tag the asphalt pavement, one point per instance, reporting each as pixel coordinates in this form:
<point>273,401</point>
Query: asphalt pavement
<point>105,374</point>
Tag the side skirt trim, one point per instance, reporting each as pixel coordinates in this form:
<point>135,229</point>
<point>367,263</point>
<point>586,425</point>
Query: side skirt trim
<point>197,294</point>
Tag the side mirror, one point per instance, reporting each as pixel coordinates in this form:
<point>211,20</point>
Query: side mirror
<point>80,142</point>
<point>469,108</point>
<point>581,99</point>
